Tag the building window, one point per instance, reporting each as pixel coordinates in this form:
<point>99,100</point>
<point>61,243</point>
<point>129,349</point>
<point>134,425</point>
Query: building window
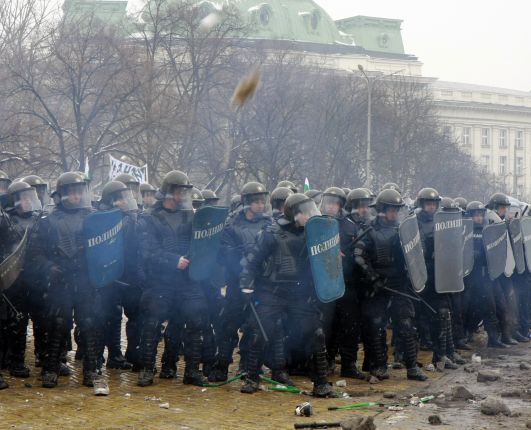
<point>503,138</point>
<point>265,15</point>
<point>314,21</point>
<point>485,137</point>
<point>484,162</point>
<point>466,136</point>
<point>503,165</point>
<point>519,166</point>
<point>519,139</point>
<point>447,93</point>
<point>520,191</point>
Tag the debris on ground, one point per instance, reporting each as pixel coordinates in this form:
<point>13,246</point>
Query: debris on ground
<point>461,393</point>
<point>435,420</point>
<point>304,409</point>
<point>494,406</point>
<point>476,359</point>
<point>488,376</point>
<point>358,423</point>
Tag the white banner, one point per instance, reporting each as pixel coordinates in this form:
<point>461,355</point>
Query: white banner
<point>118,167</point>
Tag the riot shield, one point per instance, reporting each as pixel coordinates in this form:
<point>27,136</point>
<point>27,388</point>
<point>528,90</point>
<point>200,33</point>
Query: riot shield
<point>11,267</point>
<point>207,228</point>
<point>412,247</point>
<point>448,240</point>
<point>495,243</point>
<point>104,247</point>
<point>517,242</point>
<point>322,241</point>
<point>468,246</point>
<point>525,225</point>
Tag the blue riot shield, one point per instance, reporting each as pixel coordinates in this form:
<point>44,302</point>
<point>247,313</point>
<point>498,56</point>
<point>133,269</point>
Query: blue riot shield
<point>207,228</point>
<point>104,247</point>
<point>322,241</point>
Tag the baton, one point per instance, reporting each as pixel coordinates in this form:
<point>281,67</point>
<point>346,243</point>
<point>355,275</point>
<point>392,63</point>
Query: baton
<point>18,315</point>
<point>415,298</point>
<point>264,334</point>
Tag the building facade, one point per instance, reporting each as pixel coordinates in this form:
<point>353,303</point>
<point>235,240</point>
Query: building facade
<point>491,124</point>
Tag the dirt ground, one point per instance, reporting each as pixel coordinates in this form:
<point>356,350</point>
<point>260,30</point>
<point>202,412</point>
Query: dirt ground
<point>25,405</point>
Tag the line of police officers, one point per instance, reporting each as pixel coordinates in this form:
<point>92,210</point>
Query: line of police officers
<point>263,266</point>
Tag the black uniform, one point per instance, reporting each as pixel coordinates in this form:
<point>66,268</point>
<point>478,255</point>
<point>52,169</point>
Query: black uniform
<point>170,295</point>
<point>57,253</point>
<point>238,238</point>
<point>278,267</point>
<point>380,257</point>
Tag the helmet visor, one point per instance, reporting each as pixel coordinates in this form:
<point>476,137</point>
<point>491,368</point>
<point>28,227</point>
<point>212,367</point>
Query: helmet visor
<point>75,196</point>
<point>331,205</point>
<point>148,198</point>
<point>27,201</point>
<point>135,188</point>
<point>258,204</point>
<point>305,211</point>
<point>124,200</point>
<point>179,198</point>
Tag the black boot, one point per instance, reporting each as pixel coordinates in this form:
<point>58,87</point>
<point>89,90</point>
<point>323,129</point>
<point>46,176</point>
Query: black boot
<point>118,361</point>
<point>167,372</point>
<point>145,377</point>
<point>148,345</point>
<point>49,379</point>
<point>250,383</point>
<point>219,372</point>
<point>193,345</point>
<point>321,386</point>
<point>416,374</point>
<point>379,349</point>
<point>19,370</point>
<point>450,349</point>
<point>350,370</point>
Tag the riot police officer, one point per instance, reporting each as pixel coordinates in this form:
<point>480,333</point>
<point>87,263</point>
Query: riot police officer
<point>170,294</point>
<point>24,210</point>
<point>57,252</point>
<point>380,257</point>
<point>210,197</point>
<point>444,355</point>
<point>147,191</point>
<point>481,304</point>
<point>346,326</point>
<point>288,184</point>
<point>284,289</point>
<point>278,198</point>
<point>238,237</point>
<point>125,293</point>
<point>332,202</point>
<point>132,183</point>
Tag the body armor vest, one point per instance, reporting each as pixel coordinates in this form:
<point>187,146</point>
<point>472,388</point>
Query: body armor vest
<point>290,258</point>
<point>384,239</point>
<point>177,230</point>
<point>68,227</point>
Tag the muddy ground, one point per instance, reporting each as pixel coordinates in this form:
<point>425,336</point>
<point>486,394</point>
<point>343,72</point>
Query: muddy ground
<point>25,405</point>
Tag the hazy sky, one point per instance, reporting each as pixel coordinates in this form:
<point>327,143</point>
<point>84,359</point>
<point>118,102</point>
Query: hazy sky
<point>477,41</point>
